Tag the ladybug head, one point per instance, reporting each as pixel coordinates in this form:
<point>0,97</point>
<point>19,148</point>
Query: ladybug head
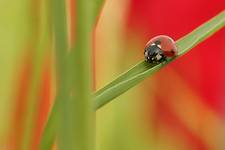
<point>154,54</point>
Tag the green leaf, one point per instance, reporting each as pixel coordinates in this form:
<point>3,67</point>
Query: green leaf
<point>59,23</point>
<point>143,70</point>
<point>60,28</point>
<point>78,131</point>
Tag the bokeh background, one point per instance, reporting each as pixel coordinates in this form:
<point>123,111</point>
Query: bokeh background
<point>179,108</point>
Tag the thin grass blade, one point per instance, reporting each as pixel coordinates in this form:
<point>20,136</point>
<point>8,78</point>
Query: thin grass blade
<point>143,70</point>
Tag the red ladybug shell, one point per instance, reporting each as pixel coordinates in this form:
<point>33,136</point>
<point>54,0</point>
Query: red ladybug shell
<point>166,43</point>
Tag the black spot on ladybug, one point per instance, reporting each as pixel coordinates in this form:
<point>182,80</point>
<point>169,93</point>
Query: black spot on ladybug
<point>172,51</point>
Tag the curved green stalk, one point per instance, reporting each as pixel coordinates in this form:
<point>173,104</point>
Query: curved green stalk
<point>143,70</point>
<point>59,22</point>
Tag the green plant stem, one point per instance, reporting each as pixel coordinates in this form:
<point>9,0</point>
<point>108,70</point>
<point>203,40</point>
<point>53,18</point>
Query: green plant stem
<point>79,111</point>
<point>37,64</point>
<point>59,23</point>
<point>49,134</point>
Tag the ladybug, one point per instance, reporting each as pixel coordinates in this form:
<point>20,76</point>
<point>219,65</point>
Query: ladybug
<point>159,48</point>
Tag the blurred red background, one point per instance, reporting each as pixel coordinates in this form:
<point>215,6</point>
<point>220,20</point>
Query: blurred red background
<point>200,73</point>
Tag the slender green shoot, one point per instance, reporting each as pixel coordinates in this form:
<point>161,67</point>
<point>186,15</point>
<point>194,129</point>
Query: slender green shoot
<point>78,118</point>
<point>59,22</point>
<point>143,70</point>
